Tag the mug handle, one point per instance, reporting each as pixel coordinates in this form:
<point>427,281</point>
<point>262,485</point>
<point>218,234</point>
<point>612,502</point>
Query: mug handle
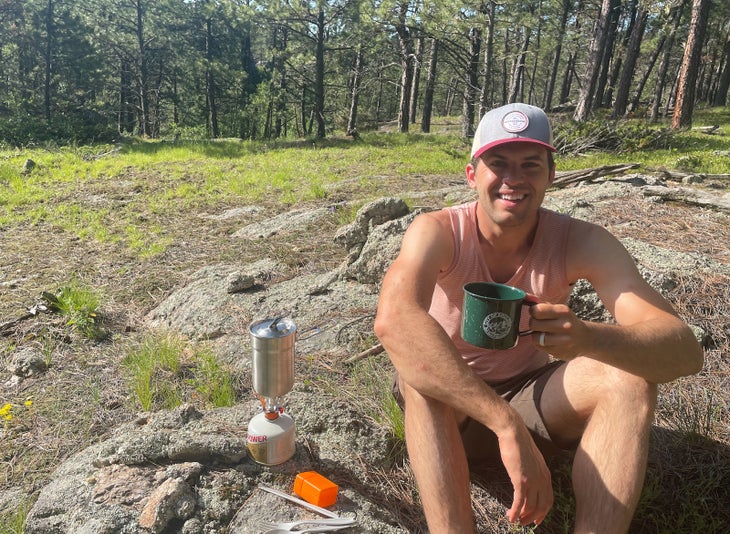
<point>530,300</point>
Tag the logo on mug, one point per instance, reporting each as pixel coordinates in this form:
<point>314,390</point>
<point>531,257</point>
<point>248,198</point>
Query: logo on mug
<point>497,325</point>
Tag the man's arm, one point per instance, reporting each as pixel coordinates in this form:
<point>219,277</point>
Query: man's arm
<point>649,339</point>
<point>428,361</point>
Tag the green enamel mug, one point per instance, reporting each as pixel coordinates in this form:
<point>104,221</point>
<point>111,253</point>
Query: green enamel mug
<point>491,315</point>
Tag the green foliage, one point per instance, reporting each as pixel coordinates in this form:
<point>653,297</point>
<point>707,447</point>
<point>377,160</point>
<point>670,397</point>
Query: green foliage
<point>573,137</point>
<point>213,382</point>
<point>80,306</point>
<point>164,371</point>
<point>13,521</point>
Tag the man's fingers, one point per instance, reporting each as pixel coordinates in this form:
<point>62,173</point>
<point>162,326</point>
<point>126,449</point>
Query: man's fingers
<point>518,503</point>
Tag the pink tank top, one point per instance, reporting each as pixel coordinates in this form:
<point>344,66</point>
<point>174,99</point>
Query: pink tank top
<point>542,274</point>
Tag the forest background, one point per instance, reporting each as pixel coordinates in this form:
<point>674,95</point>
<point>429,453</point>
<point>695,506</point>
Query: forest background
<point>93,70</point>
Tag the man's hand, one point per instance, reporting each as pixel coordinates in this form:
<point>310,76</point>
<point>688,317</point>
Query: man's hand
<point>530,477</point>
<point>560,331</point>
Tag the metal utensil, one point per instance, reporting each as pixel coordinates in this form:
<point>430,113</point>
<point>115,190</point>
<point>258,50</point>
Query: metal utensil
<point>311,523</point>
<point>307,529</point>
<point>300,502</point>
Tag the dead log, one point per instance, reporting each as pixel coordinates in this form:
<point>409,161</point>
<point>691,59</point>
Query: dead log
<point>566,178</point>
<point>687,195</point>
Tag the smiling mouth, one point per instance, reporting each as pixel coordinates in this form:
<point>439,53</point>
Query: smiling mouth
<point>513,197</point>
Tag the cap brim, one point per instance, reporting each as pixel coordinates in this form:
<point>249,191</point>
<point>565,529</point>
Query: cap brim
<point>486,147</point>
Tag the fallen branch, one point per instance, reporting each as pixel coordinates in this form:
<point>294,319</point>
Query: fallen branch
<point>689,196</point>
<point>372,351</point>
<point>6,328</point>
<point>563,179</point>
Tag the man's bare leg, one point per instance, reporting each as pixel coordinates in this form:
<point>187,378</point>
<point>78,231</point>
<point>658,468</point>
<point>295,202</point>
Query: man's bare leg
<point>616,410</point>
<point>439,463</point>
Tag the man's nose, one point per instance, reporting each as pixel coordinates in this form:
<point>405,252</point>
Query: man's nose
<point>512,174</point>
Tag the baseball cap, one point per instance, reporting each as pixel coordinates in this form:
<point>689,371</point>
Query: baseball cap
<point>510,123</point>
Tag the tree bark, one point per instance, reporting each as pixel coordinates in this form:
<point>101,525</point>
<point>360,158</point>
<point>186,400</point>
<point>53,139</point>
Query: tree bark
<point>518,72</point>
<point>430,87</point>
<point>486,97</point>
<point>664,65</point>
<point>405,40</point>
<point>143,80</point>
<point>416,79</point>
<point>632,56</point>
<point>319,76</point>
<point>588,85</point>
<point>210,97</point>
<point>684,103</point>
<point>548,101</point>
<point>471,83</point>
<point>355,94</point>
<point>724,84</point>
<point>50,38</point>
<point>603,93</point>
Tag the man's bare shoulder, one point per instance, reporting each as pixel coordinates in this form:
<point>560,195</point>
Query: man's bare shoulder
<point>593,248</point>
<point>429,239</point>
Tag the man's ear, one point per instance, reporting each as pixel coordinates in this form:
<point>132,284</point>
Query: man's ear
<point>471,176</point>
<point>551,177</point>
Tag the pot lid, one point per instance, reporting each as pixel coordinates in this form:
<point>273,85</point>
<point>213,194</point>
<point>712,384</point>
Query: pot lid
<point>273,328</point>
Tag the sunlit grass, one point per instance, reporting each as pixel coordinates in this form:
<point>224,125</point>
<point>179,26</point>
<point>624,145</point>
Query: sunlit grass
<point>144,183</point>
<point>164,371</point>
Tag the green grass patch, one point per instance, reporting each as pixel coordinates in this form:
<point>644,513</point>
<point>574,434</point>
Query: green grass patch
<point>12,521</point>
<point>128,194</point>
<point>164,371</point>
<point>79,304</point>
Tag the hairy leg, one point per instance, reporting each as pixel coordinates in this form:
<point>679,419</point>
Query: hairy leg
<point>611,412</point>
<point>439,463</point>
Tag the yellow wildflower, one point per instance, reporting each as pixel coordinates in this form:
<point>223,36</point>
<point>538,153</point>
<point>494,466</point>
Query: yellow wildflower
<point>28,403</point>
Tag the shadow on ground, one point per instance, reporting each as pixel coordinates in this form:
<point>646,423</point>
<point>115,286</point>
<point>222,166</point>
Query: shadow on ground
<point>687,487</point>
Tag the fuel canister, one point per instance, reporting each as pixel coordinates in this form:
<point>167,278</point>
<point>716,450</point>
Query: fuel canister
<point>271,438</point>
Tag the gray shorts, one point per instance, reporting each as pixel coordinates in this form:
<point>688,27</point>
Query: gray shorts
<point>523,393</point>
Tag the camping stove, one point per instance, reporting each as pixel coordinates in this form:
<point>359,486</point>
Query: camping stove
<point>271,436</point>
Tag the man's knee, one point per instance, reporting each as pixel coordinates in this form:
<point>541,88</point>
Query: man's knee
<point>629,393</point>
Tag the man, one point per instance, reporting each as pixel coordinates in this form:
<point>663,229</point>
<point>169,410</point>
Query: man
<point>598,398</point>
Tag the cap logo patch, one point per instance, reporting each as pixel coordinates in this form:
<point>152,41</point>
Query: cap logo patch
<point>515,122</point>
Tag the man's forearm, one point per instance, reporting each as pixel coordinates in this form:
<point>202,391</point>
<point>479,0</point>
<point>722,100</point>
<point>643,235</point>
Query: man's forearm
<point>658,350</point>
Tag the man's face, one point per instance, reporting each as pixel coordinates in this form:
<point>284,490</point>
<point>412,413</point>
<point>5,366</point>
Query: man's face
<point>510,181</point>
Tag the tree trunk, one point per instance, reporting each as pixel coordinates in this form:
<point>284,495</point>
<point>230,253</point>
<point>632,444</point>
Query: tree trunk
<point>594,62</point>
<point>406,57</point>
<point>632,55</point>
<point>486,97</point>
<point>210,99</point>
<point>125,122</point>
<point>603,89</point>
<point>684,103</point>
<point>430,87</point>
<point>518,72</point>
<point>319,77</point>
<point>143,80</point>
<point>635,101</point>
<point>50,38</point>
<point>416,79</point>
<point>664,65</point>
<point>471,83</point>
<point>548,101</point>
<point>356,74</point>
<point>724,84</point>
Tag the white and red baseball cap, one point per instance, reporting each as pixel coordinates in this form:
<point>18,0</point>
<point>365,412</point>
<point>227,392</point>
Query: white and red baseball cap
<point>512,123</point>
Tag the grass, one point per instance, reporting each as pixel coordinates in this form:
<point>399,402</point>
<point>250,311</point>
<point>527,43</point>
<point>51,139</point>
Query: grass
<point>164,371</point>
<point>80,306</point>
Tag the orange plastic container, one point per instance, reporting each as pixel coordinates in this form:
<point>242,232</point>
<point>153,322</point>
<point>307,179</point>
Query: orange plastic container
<point>315,489</point>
